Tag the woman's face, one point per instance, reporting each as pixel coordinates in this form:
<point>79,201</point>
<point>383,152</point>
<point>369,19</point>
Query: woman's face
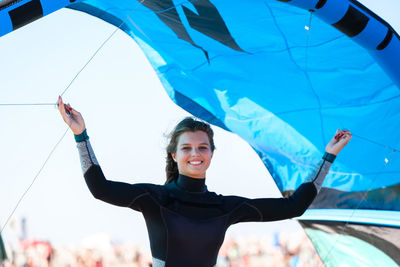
<point>193,154</point>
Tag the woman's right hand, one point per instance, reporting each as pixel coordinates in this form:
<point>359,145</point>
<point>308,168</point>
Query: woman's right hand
<point>74,120</point>
<point>338,142</point>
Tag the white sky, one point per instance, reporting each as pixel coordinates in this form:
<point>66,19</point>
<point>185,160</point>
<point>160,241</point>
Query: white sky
<point>127,113</point>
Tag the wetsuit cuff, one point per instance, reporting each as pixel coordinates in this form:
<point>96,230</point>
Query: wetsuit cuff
<point>81,137</point>
<point>329,157</point>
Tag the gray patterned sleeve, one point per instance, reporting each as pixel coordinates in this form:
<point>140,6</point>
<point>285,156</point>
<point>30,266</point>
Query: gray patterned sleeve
<point>321,170</point>
<point>86,155</point>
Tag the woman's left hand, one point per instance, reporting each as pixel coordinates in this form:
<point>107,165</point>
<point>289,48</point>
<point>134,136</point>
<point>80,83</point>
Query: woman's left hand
<point>338,142</point>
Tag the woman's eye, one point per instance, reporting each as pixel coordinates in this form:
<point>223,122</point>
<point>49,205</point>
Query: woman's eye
<point>203,148</point>
<point>185,148</point>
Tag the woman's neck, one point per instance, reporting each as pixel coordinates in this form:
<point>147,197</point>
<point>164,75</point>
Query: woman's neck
<point>190,184</point>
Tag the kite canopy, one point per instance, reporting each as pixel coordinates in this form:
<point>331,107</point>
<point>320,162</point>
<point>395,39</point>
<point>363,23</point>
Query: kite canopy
<point>284,77</point>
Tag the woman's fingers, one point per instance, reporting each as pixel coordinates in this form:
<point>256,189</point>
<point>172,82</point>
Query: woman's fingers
<point>72,117</point>
<point>340,140</point>
<point>61,109</point>
<point>342,134</point>
<point>339,134</point>
<point>75,115</point>
<point>74,111</point>
<point>346,137</point>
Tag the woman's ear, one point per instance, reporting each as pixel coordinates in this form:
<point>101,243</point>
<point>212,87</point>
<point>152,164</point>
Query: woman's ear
<point>173,156</point>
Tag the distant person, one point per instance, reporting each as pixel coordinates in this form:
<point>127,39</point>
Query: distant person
<point>3,254</point>
<point>186,222</point>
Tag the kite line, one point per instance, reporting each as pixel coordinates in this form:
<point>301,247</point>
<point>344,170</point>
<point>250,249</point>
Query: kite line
<point>34,179</point>
<point>54,104</point>
<point>387,160</point>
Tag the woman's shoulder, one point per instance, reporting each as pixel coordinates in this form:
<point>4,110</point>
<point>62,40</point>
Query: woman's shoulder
<point>150,187</point>
<point>156,192</point>
<point>232,201</point>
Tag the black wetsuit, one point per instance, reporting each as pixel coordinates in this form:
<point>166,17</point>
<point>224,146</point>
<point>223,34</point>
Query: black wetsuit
<point>186,222</point>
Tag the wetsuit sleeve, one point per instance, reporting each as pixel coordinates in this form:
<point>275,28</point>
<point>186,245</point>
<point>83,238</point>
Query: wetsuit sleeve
<point>272,209</point>
<point>116,193</point>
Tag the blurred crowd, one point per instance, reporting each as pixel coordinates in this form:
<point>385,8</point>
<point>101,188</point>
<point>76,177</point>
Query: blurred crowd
<point>281,249</point>
<point>42,254</point>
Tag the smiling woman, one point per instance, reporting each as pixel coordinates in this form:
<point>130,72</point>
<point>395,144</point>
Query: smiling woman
<point>190,149</point>
<point>186,222</point>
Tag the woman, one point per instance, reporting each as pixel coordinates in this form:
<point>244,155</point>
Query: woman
<point>186,222</point>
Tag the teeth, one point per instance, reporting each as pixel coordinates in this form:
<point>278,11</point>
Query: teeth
<point>195,162</point>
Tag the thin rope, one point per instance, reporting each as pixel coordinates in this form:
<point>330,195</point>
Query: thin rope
<point>76,75</point>
<point>26,104</point>
<point>308,28</point>
<point>87,63</point>
<point>358,206</point>
<point>34,179</point>
<point>84,66</point>
<point>43,104</point>
<point>364,196</point>
<point>101,46</point>
<point>308,78</point>
<point>376,143</point>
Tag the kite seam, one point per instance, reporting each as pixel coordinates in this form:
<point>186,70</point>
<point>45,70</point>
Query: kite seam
<point>300,69</point>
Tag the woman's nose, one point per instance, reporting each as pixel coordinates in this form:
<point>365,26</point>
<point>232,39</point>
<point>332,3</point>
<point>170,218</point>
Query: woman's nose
<point>195,151</point>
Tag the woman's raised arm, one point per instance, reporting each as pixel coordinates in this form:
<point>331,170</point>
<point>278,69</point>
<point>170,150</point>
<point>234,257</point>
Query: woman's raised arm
<point>272,209</point>
<point>116,193</point>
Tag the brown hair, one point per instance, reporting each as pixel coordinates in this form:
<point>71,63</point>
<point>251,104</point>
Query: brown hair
<point>188,124</point>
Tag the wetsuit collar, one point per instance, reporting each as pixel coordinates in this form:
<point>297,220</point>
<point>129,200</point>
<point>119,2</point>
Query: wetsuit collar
<point>190,184</point>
